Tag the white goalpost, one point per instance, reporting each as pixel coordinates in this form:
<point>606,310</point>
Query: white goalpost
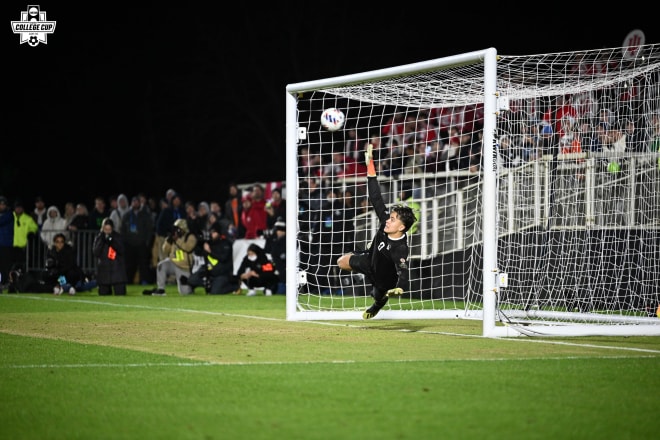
<point>535,180</point>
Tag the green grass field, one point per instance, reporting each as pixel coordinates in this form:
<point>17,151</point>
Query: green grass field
<point>232,367</point>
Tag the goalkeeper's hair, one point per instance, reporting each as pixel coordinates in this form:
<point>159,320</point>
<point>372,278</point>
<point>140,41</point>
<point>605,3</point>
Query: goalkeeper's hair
<point>406,215</point>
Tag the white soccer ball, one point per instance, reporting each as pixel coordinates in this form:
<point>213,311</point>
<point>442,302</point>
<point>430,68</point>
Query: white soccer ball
<point>332,119</point>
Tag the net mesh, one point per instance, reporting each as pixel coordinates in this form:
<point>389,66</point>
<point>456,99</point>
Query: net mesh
<point>578,179</point>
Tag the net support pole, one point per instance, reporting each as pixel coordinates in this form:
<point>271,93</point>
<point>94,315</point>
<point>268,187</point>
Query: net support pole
<point>489,207</point>
<point>292,135</point>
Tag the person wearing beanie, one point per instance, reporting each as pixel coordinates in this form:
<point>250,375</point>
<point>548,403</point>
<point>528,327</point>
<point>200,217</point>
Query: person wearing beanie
<point>216,274</point>
<point>179,247</point>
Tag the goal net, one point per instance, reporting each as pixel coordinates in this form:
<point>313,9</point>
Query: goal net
<point>535,180</point>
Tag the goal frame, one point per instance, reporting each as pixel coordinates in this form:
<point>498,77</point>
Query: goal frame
<point>492,280</point>
<point>489,59</point>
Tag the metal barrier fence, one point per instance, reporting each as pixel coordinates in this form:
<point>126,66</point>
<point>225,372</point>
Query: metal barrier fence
<point>81,241</point>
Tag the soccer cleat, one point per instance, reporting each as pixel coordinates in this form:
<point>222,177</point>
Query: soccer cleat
<point>72,290</point>
<point>370,312</point>
<point>251,292</point>
<point>268,292</point>
<point>158,292</point>
<point>57,290</point>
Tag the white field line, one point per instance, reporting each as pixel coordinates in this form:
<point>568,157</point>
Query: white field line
<point>651,353</point>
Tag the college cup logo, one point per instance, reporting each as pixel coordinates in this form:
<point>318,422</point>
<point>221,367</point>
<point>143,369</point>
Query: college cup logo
<point>33,27</point>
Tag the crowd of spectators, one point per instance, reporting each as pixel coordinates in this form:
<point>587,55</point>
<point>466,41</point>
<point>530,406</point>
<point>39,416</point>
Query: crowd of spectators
<point>450,139</point>
<point>143,223</point>
<point>408,143</point>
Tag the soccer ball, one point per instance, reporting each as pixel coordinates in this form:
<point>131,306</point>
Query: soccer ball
<point>332,119</point>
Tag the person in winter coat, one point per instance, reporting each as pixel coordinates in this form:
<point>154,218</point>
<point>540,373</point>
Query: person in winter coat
<point>52,225</point>
<point>109,250</point>
<point>257,270</point>
<point>62,271</point>
<point>216,274</point>
<point>178,247</point>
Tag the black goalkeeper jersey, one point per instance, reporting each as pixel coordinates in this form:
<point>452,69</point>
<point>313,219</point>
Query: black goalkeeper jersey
<point>389,258</point>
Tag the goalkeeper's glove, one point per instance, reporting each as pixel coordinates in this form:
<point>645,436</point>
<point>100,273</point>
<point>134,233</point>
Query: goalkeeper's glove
<point>395,291</point>
<point>369,154</point>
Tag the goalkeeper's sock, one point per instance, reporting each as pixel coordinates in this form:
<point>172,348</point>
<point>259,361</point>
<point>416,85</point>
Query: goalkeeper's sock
<point>371,169</point>
<point>369,159</point>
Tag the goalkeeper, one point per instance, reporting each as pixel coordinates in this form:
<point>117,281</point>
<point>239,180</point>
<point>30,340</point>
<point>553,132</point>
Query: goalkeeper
<point>385,262</point>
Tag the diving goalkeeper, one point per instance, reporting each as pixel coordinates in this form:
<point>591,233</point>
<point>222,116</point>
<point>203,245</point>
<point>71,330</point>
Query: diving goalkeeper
<point>385,262</point>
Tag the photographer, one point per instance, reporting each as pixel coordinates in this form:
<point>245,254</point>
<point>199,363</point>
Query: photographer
<point>111,267</point>
<point>178,246</point>
<point>216,274</point>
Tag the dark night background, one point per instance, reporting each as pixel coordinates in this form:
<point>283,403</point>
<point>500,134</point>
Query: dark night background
<point>144,97</point>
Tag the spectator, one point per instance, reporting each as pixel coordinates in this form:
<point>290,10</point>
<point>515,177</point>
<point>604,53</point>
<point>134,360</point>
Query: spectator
<point>62,270</point>
<point>80,220</point>
<point>69,212</point>
<point>192,218</point>
<point>588,139</point>
<point>40,212</point>
<point>476,157</point>
<point>25,228</point>
<point>254,217</point>
<point>204,222</point>
<point>275,207</point>
<point>246,218</point>
<point>276,247</point>
<point>53,225</point>
<point>259,214</point>
<point>149,204</point>
<point>169,194</point>
<point>547,144</point>
<point>327,244</point>
<point>137,229</point>
<point>508,156</point>
<point>109,251</point>
<point>636,139</point>
<point>98,214</point>
<point>168,215</point>
<point>197,226</point>
<point>345,166</point>
<point>216,274</point>
<point>234,206</point>
<point>257,270</point>
<point>435,157</point>
<point>111,206</point>
<point>217,215</point>
<point>178,248</point>
<point>117,214</point>
<point>615,141</point>
<point>6,242</point>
